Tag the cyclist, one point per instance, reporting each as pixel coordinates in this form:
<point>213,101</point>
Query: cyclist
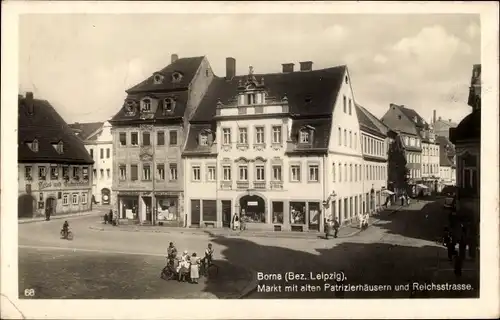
<point>65,229</point>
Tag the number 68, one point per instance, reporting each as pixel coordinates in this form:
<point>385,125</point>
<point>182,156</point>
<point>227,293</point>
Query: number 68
<point>29,292</point>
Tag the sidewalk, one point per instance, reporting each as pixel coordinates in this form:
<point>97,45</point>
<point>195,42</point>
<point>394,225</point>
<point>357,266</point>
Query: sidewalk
<point>61,216</point>
<point>346,231</point>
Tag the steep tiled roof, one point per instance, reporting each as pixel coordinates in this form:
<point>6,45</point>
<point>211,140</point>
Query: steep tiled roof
<point>310,95</point>
<point>321,136</point>
<point>47,127</point>
<point>446,151</point>
<point>187,67</point>
<point>181,99</point>
<point>403,124</point>
<point>84,130</point>
<point>370,123</point>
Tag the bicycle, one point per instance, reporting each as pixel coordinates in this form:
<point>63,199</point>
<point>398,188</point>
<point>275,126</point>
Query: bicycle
<point>210,271</point>
<point>68,235</point>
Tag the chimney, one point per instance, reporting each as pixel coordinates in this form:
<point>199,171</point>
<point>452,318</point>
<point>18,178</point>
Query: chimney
<point>434,116</point>
<point>230,68</point>
<point>174,58</point>
<point>449,120</point>
<point>439,118</point>
<point>306,65</point>
<point>29,102</point>
<point>287,67</point>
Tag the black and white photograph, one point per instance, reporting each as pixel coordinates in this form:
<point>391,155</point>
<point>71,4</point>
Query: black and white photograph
<point>235,152</point>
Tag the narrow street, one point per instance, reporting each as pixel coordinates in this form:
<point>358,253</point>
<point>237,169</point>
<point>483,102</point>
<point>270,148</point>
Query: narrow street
<point>397,250</point>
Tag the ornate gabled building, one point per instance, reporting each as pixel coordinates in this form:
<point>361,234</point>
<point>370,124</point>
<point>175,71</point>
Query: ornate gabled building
<point>148,138</point>
<point>98,141</point>
<point>467,140</point>
<point>419,141</point>
<point>282,151</point>
<point>54,167</point>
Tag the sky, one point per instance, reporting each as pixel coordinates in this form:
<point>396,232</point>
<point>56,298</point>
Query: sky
<point>83,63</point>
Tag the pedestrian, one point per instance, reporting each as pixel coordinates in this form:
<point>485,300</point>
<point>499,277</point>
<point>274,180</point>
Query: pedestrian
<point>402,198</point>
<point>335,227</point>
<point>328,228</point>
<point>194,268</point>
<point>47,214</point>
<point>236,222</point>
<point>110,216</point>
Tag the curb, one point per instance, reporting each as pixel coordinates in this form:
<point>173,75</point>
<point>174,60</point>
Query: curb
<point>55,218</point>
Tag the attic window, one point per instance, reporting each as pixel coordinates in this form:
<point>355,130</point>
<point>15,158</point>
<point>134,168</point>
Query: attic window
<point>33,145</point>
<point>346,79</point>
<point>399,117</point>
<point>59,147</point>
<point>176,77</point>
<point>203,139</point>
<point>146,105</point>
<point>130,107</point>
<point>207,73</point>
<point>158,78</point>
<point>306,135</point>
<point>169,104</point>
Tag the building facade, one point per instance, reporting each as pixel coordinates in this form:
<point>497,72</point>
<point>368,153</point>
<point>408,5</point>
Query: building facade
<point>430,159</point>
<point>148,136</point>
<point>282,151</point>
<point>447,168</point>
<point>54,169</point>
<point>467,140</point>
<point>98,141</point>
<point>441,126</point>
<point>407,125</point>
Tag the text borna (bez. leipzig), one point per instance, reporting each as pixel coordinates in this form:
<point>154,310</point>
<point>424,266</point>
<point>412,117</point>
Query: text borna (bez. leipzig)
<point>295,276</point>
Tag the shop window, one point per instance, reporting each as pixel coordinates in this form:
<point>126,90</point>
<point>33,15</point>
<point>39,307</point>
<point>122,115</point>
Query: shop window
<point>314,215</point>
<point>167,209</point>
<point>209,210</point>
<point>297,212</point>
<point>253,209</point>
<point>277,208</point>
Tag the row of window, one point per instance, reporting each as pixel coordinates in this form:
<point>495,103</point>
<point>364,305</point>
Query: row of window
<point>353,173</point>
<point>373,146</point>
<point>108,174</point>
<point>347,138</point>
<point>415,173</point>
<point>413,157</point>
<point>53,171</point>
<point>108,153</point>
<point>75,197</point>
<point>412,141</point>
<point>161,173</point>
<point>345,105</point>
<point>430,151</point>
<point>146,138</point>
<point>430,168</point>
<point>259,136</point>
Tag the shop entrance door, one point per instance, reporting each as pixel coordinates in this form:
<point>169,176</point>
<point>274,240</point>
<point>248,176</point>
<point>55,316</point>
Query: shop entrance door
<point>147,207</point>
<point>195,212</point>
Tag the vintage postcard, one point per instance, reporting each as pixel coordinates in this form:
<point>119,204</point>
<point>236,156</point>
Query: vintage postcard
<point>203,159</point>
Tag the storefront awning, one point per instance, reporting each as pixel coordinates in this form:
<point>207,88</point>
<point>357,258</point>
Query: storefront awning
<point>422,186</point>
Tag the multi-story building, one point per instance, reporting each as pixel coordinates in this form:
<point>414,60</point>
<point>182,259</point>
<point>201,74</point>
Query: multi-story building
<point>148,137</point>
<point>442,127</point>
<point>375,142</point>
<point>282,150</point>
<point>54,167</point>
<point>447,171</point>
<point>98,141</point>
<point>430,158</point>
<point>405,123</point>
<point>467,140</point>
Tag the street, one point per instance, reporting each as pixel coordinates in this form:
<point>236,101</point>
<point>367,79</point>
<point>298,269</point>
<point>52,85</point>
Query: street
<point>399,249</point>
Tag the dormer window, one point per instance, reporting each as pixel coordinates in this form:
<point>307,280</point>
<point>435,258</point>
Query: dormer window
<point>176,77</point>
<point>251,98</point>
<point>205,138</point>
<point>33,145</point>
<point>157,78</point>
<point>130,107</point>
<point>146,105</point>
<point>169,104</point>
<point>59,147</point>
<point>306,135</point>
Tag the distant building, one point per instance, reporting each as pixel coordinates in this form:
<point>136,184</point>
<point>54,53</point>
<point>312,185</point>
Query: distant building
<point>54,167</point>
<point>442,127</point>
<point>149,133</point>
<point>283,151</point>
<point>467,140</point>
<point>99,143</point>
<point>447,168</point>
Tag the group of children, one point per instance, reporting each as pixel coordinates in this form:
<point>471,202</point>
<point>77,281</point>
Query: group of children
<point>189,264</point>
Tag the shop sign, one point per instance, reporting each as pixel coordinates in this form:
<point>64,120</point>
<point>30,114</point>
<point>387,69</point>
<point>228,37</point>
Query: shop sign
<point>252,203</point>
<point>167,193</point>
<point>53,185</point>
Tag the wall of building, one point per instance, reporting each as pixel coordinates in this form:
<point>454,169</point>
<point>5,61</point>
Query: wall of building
<point>40,190</point>
<point>430,160</point>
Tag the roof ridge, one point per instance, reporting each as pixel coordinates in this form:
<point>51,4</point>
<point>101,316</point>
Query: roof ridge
<point>287,73</point>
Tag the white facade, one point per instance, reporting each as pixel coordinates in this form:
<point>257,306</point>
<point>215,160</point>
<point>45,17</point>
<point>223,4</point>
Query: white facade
<point>297,191</point>
<point>447,175</point>
<point>100,147</point>
<point>430,160</point>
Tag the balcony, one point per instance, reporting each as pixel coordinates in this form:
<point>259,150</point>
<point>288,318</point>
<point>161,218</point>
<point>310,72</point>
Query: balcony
<point>259,185</point>
<point>242,184</point>
<point>276,185</point>
<point>226,185</point>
